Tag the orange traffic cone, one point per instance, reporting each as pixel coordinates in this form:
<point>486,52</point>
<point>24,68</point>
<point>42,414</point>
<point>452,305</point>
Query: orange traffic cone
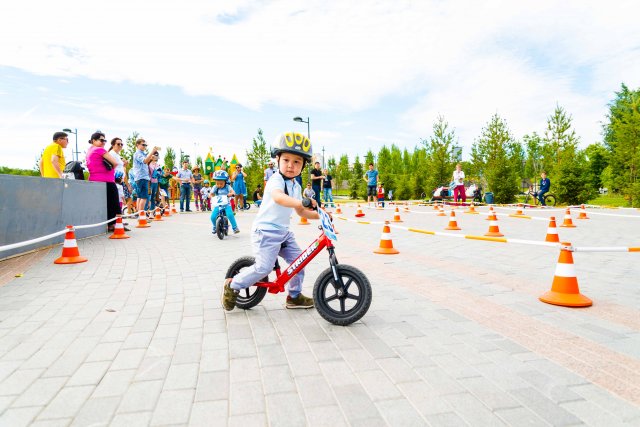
<point>494,230</point>
<point>583,213</point>
<point>567,220</point>
<point>142,220</point>
<point>471,210</point>
<point>303,221</point>
<point>70,251</point>
<point>167,211</point>
<point>173,208</point>
<point>436,207</point>
<point>441,213</point>
<point>396,216</point>
<point>564,289</point>
<point>519,211</point>
<point>386,244</point>
<point>118,231</point>
<point>359,214</point>
<point>158,216</point>
<point>552,231</point>
<point>492,215</point>
<point>338,210</point>
<point>379,206</point>
<point>406,208</point>
<point>453,224</point>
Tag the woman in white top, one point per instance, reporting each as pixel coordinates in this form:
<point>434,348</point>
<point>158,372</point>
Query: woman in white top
<point>458,179</point>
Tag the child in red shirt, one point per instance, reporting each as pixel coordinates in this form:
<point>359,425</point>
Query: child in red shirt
<point>380,195</point>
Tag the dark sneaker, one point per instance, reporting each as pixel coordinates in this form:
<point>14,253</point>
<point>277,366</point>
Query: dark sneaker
<point>229,296</point>
<point>299,302</point>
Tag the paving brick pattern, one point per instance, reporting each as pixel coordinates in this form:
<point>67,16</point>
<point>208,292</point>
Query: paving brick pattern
<point>455,334</point>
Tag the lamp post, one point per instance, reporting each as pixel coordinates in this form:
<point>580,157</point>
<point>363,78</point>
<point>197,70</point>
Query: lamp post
<point>301,120</point>
<point>75,132</point>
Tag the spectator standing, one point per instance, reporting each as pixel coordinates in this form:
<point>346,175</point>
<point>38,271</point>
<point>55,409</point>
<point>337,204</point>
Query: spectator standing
<point>141,162</point>
<point>327,189</point>
<point>197,187</point>
<point>114,150</point>
<point>257,196</point>
<point>52,161</point>
<point>239,186</point>
<point>163,184</point>
<point>101,166</point>
<point>458,180</point>
<point>308,192</point>
<point>269,171</point>
<point>380,195</point>
<point>185,177</point>
<point>153,183</point>
<point>371,177</point>
<point>316,182</point>
<point>545,185</point>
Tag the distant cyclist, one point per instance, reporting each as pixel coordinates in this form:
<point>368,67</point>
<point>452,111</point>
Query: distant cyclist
<point>545,184</point>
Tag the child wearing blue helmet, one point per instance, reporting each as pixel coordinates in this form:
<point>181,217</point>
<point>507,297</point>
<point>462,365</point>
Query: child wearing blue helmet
<point>219,197</point>
<point>271,236</point>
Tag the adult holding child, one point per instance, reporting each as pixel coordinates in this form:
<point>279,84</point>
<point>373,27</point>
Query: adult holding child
<point>101,166</point>
<point>458,180</point>
<point>141,162</point>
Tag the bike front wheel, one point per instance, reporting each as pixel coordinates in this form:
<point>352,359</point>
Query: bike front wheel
<point>342,307</point>
<point>220,228</point>
<point>253,295</point>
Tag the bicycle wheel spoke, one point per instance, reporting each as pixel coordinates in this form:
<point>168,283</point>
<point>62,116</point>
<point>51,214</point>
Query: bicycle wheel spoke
<point>246,292</point>
<point>342,305</point>
<point>352,296</point>
<point>346,285</point>
<point>331,298</point>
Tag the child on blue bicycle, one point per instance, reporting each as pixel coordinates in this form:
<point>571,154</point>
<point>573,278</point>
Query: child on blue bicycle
<point>219,197</point>
<point>271,236</point>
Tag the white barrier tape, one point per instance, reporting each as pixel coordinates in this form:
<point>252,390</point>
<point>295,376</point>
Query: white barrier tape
<point>604,249</point>
<point>617,215</point>
<point>57,233</point>
<point>29,242</point>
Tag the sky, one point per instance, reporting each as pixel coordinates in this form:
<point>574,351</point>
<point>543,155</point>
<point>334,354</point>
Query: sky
<point>206,75</point>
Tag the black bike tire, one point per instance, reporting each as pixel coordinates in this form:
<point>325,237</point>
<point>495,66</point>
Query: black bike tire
<point>550,200</point>
<point>253,295</point>
<point>220,228</point>
<point>526,199</point>
<point>352,315</point>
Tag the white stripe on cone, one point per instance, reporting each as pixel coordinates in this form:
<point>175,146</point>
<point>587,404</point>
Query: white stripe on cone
<point>70,243</point>
<point>385,236</point>
<point>119,225</point>
<point>565,270</point>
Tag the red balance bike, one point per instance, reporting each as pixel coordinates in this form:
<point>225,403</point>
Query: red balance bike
<point>342,293</point>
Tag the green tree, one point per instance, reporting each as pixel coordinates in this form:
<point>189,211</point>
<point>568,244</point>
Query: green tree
<point>492,156</point>
<point>622,138</point>
<point>420,174</point>
<point>439,152</point>
<point>200,163</point>
<point>598,158</point>
<point>170,158</point>
<point>356,183</point>
<point>130,147</point>
<point>570,179</point>
<point>342,172</point>
<point>533,158</point>
<point>257,159</point>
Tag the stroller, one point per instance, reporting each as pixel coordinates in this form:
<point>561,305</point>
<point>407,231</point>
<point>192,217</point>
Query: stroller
<point>73,170</point>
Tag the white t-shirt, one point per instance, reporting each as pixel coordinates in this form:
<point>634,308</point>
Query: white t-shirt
<point>458,177</point>
<point>271,215</point>
<point>120,192</point>
<point>120,165</point>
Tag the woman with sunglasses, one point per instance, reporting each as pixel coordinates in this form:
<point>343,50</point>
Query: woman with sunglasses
<point>239,186</point>
<point>114,150</point>
<point>101,166</point>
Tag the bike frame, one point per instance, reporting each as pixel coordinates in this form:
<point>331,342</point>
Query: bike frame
<point>282,277</point>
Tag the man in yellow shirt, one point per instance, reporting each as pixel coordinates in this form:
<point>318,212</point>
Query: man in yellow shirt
<point>52,162</point>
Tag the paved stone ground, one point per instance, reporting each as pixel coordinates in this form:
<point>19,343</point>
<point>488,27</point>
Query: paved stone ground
<point>455,334</point>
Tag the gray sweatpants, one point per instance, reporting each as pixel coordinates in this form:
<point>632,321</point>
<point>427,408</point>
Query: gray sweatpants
<point>267,245</point>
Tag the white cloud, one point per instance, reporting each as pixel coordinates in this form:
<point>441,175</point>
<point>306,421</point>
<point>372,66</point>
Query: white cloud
<point>464,59</point>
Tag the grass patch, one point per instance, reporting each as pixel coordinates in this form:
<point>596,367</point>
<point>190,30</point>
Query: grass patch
<point>609,200</point>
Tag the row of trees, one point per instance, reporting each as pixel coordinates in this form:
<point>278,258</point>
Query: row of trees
<point>501,163</point>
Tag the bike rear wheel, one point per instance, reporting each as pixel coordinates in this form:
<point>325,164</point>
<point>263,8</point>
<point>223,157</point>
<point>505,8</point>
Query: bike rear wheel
<point>528,198</point>
<point>550,200</point>
<point>253,295</point>
<point>338,307</point>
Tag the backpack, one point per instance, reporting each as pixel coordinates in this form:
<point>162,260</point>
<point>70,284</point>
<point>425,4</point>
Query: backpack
<point>73,170</point>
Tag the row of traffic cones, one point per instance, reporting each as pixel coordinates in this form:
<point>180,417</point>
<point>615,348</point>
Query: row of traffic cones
<point>71,252</point>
